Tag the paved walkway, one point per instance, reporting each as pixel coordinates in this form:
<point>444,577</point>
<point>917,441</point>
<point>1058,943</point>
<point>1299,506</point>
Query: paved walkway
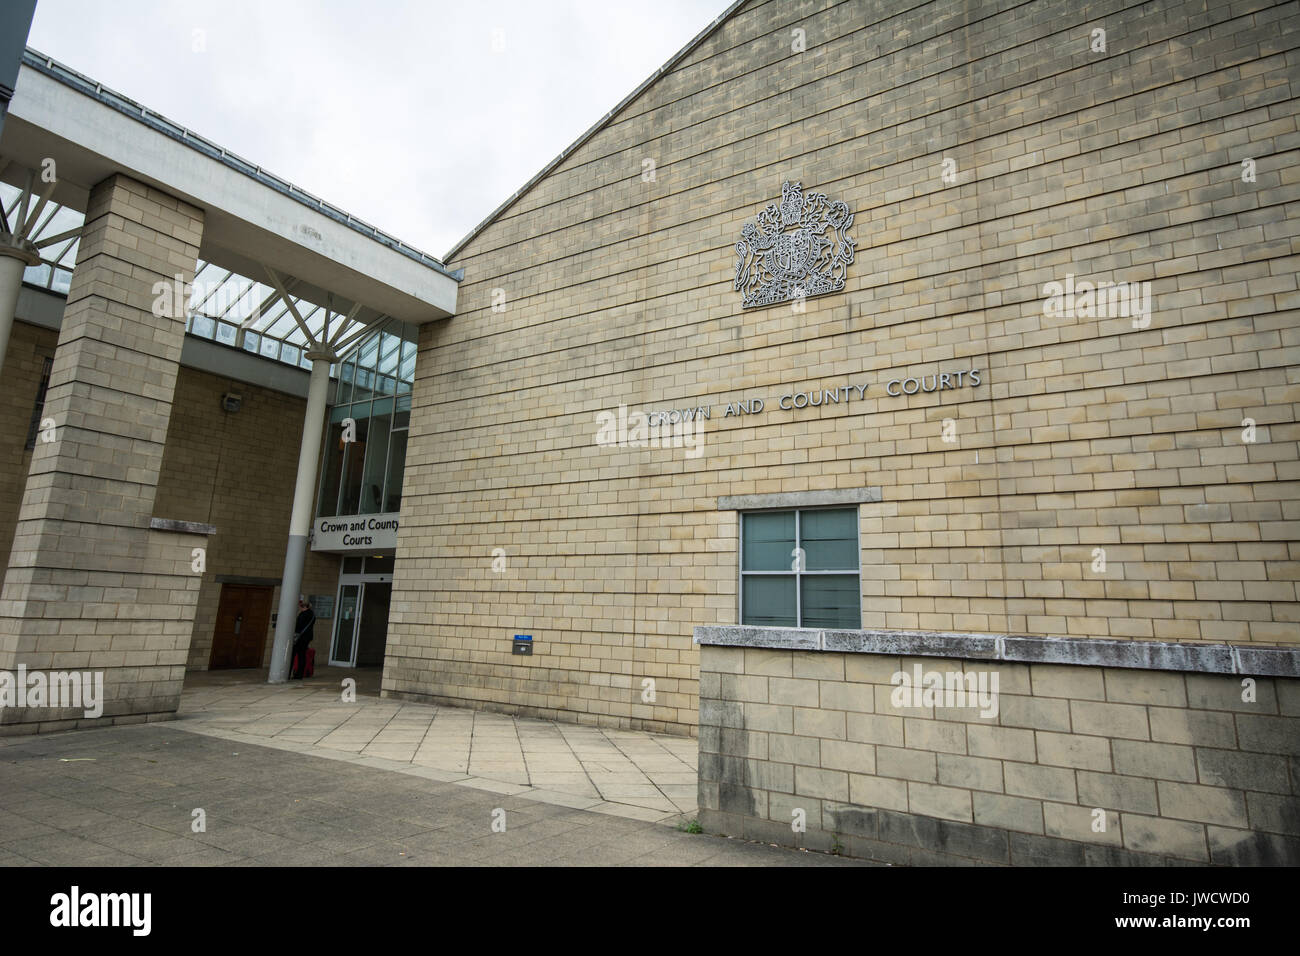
<point>127,796</point>
<point>644,776</point>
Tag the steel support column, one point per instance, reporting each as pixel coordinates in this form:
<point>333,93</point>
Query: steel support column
<point>304,497</point>
<point>16,254</point>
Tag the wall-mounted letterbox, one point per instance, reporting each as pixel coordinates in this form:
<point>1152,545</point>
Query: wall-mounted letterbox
<point>523,644</point>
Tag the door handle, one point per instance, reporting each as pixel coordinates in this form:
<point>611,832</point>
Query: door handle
<point>239,619</point>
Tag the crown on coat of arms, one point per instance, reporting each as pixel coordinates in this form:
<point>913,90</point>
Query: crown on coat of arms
<point>794,249</point>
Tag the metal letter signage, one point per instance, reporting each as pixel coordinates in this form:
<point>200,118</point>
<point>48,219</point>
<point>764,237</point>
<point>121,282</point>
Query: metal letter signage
<point>797,250</point>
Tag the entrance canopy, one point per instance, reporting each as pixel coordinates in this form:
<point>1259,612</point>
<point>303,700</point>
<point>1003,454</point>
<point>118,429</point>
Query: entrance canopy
<point>222,305</point>
<point>338,268</point>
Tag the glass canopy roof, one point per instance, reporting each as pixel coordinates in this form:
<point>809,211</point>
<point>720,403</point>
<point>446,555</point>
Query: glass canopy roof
<point>224,306</point>
<point>54,271</point>
<point>234,310</point>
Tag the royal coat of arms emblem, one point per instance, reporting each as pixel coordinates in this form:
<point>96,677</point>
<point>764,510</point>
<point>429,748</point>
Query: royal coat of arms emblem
<point>796,249</point>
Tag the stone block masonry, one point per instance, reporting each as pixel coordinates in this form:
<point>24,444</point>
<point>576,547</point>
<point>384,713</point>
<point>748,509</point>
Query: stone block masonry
<point>600,286</point>
<point>91,584</point>
<point>205,476</point>
<point>1064,759</point>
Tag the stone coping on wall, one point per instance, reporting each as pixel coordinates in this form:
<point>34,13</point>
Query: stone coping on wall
<point>799,499</point>
<point>1017,648</point>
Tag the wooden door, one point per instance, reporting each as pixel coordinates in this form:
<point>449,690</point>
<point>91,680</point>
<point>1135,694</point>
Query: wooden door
<point>243,616</point>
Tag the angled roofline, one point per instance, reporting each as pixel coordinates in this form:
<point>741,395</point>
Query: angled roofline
<point>600,124</point>
<point>64,74</point>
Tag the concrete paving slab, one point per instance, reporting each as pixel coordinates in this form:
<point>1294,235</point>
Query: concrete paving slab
<point>496,752</point>
<point>263,810</point>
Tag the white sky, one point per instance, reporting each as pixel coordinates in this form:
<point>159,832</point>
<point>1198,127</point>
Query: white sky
<point>397,111</point>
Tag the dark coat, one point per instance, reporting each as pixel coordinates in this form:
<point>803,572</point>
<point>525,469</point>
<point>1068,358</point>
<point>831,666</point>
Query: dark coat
<point>302,629</point>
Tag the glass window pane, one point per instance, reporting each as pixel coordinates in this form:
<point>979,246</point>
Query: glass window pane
<point>389,349</point>
<point>368,353</point>
<point>345,383</point>
<point>226,334</point>
<point>202,325</point>
<point>353,456</point>
<point>829,539</point>
<point>768,600</point>
<point>281,325</point>
<point>343,647</point>
<point>332,470</point>
<point>372,485</point>
<point>769,541</point>
<point>270,348</point>
<point>406,372</point>
<point>831,600</point>
<point>361,385</point>
<point>396,467</point>
<point>252,341</point>
<point>64,219</point>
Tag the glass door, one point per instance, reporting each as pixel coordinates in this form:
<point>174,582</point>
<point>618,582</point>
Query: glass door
<point>343,649</point>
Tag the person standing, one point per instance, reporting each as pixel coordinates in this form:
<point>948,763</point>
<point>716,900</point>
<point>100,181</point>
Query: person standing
<point>302,637</point>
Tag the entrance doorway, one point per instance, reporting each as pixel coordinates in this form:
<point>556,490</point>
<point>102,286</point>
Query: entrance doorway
<point>243,617</point>
<point>361,624</point>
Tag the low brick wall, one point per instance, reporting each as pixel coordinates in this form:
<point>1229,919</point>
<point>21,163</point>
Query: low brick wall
<point>1180,756</point>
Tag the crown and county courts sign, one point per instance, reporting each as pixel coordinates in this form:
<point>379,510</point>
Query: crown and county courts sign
<point>355,533</point>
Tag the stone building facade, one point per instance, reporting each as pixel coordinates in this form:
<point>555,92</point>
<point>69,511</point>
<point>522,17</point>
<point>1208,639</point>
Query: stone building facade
<point>235,472</point>
<point>1124,469</point>
<point>232,471</point>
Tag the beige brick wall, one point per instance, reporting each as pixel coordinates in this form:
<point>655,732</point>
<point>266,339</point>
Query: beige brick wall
<point>1085,434</point>
<point>89,585</point>
<point>236,471</point>
<point>1077,765</point>
<point>29,346</point>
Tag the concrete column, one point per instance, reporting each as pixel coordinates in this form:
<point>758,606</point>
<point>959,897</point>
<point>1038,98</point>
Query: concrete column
<point>92,587</point>
<point>15,256</point>
<point>304,500</point>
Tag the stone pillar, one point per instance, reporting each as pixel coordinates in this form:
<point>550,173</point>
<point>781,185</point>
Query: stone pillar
<point>91,586</point>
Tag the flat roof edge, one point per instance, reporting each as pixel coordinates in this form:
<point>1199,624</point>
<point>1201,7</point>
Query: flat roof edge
<point>52,68</point>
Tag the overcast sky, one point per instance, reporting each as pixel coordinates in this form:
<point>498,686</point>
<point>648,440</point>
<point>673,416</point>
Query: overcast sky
<point>420,117</point>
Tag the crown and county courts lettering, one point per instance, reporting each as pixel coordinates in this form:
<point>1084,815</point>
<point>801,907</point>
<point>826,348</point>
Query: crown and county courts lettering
<point>821,397</point>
